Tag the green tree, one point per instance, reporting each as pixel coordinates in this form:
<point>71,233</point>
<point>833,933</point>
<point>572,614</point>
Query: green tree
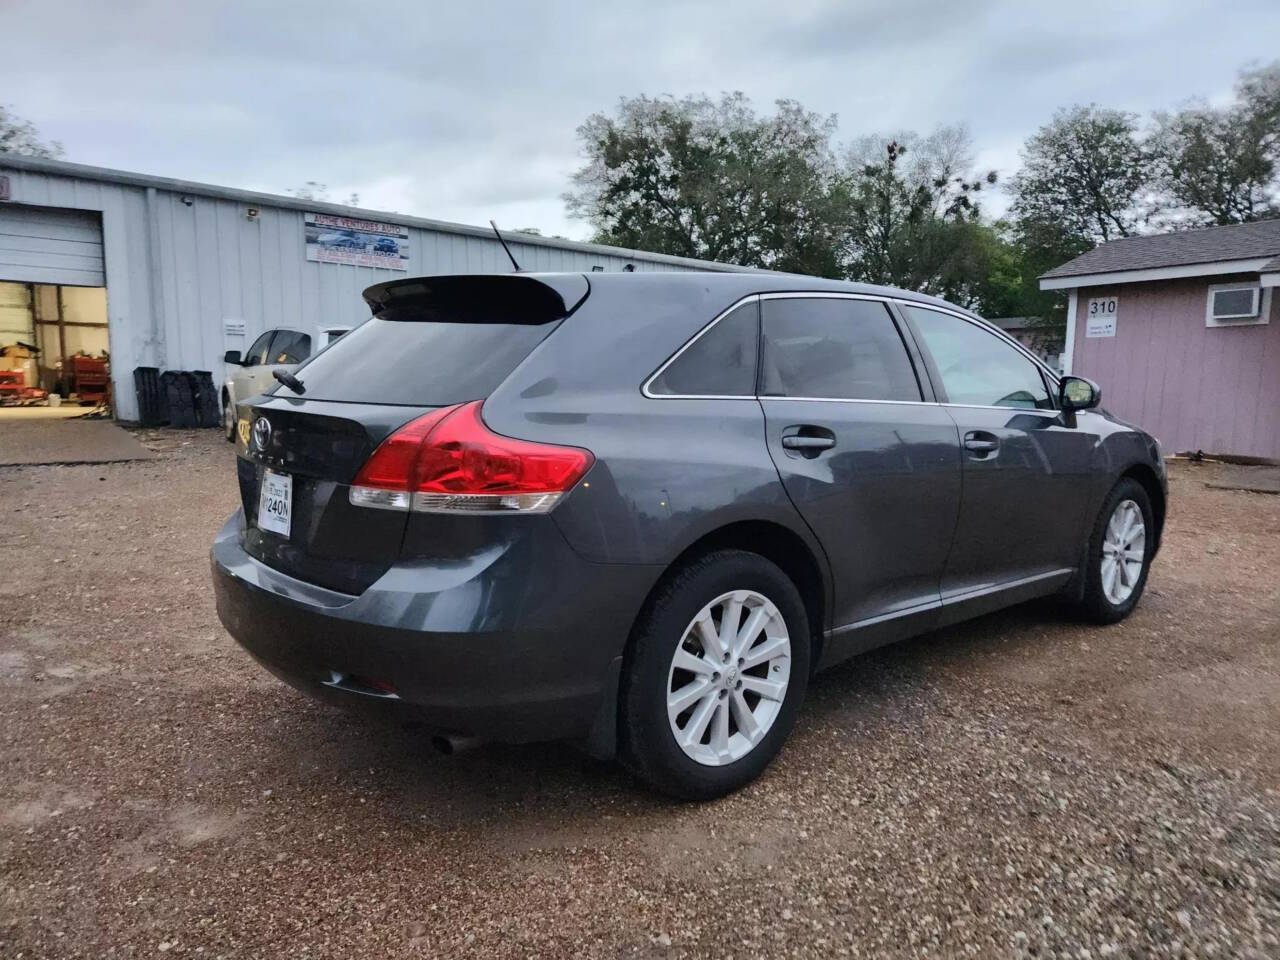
<point>1018,252</point>
<point>939,164</point>
<point>21,137</point>
<point>707,178</point>
<point>1087,171</point>
<point>1219,165</point>
<point>914,217</point>
<point>1258,89</point>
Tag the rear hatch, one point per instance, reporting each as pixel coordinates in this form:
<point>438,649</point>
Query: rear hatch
<point>430,343</point>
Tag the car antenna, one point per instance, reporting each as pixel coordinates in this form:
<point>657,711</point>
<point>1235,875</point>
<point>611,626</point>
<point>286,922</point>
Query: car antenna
<point>498,234</point>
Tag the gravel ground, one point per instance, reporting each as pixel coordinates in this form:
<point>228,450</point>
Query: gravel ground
<point>1017,786</point>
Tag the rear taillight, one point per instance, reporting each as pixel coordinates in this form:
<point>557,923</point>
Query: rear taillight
<point>385,480</point>
<point>449,462</point>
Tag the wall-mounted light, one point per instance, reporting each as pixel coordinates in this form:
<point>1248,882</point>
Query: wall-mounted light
<point>188,201</point>
<point>251,213</point>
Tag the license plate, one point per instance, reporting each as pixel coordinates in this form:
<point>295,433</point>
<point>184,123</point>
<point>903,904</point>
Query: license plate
<point>275,502</point>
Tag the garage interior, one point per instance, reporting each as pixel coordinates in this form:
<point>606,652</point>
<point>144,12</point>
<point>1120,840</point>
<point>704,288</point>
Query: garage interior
<point>56,356</point>
<point>54,348</point>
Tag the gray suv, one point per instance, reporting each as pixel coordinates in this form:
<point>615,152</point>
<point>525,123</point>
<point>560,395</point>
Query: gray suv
<point>639,511</point>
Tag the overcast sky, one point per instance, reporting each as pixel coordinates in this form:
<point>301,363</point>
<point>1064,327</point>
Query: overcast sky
<point>467,110</point>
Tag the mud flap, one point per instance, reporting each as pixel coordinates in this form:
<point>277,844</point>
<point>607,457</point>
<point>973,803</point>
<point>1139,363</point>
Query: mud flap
<point>602,740</point>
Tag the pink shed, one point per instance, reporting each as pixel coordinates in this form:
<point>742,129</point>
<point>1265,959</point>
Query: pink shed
<point>1194,386</point>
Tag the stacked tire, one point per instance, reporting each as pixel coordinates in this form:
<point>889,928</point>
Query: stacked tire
<point>179,398</point>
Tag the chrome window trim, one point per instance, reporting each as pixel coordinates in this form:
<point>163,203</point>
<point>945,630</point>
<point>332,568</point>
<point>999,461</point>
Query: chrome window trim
<point>823,295</point>
<point>907,403</point>
<point>1052,414</point>
<point>644,387</point>
<point>989,328</point>
<point>696,396</point>
<point>978,322</point>
<point>776,295</point>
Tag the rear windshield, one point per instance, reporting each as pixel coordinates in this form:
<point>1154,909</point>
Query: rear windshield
<point>395,358</point>
<point>438,341</point>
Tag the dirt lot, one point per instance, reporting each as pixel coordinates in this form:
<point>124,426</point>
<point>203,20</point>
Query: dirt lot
<point>1017,786</point>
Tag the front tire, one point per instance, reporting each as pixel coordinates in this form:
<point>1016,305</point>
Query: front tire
<point>1119,553</point>
<point>716,672</point>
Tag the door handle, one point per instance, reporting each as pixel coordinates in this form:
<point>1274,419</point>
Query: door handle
<point>807,440</point>
<point>981,442</point>
<point>808,443</point>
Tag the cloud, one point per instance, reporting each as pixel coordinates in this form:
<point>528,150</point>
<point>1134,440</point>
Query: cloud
<point>467,111</point>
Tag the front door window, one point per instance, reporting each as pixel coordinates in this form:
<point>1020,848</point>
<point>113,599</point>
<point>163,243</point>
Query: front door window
<point>977,367</point>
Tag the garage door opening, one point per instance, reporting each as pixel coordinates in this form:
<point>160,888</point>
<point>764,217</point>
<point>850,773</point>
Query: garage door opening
<point>54,351</point>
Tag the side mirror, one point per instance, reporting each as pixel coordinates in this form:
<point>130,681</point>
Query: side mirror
<point>232,356</point>
<point>1078,393</point>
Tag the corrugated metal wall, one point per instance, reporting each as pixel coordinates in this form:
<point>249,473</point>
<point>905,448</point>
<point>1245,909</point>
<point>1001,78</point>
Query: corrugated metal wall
<point>179,264</point>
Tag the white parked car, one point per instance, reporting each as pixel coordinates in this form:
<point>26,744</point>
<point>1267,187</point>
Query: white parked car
<point>251,374</point>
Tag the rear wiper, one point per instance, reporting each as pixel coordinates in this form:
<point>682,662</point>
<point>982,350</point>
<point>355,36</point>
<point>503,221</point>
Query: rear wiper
<point>290,381</point>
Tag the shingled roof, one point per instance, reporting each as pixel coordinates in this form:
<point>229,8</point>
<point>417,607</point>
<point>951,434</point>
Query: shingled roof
<point>1242,241</point>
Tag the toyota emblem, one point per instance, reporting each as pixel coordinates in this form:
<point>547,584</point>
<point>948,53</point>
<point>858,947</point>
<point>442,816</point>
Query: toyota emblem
<point>261,434</point>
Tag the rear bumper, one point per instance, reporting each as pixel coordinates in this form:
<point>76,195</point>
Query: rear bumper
<point>518,642</point>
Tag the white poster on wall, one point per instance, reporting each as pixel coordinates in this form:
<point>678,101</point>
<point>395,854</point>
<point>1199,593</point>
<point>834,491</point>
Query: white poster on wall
<point>1100,319</point>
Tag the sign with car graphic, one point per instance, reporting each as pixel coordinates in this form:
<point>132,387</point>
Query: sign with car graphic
<point>364,243</point>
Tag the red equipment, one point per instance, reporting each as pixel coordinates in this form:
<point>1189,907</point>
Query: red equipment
<point>91,380</point>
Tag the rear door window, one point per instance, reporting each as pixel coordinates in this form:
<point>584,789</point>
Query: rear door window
<point>719,363</point>
<point>834,348</point>
<point>978,368</point>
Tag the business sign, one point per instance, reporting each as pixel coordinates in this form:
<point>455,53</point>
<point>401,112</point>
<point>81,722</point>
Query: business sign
<point>1100,321</point>
<point>364,243</point>
<point>232,327</point>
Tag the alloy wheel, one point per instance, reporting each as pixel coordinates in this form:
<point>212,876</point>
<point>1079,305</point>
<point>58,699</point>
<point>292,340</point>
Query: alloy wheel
<point>1124,548</point>
<point>728,677</point>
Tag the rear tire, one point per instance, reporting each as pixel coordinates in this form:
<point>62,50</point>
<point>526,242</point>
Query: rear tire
<point>701,718</point>
<point>1119,554</point>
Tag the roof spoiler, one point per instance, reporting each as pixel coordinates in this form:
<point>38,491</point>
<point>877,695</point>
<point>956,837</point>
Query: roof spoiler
<point>540,298</point>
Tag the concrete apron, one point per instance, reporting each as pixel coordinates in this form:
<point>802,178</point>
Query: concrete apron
<point>34,442</point>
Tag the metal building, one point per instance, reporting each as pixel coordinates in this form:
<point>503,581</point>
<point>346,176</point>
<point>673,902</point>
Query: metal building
<point>191,270</point>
